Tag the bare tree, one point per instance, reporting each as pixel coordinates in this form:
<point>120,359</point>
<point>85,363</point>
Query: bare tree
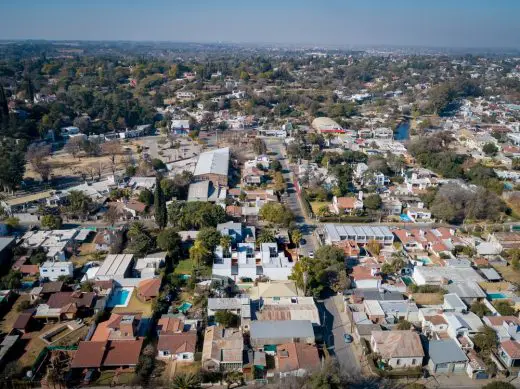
<point>91,170</point>
<point>112,215</point>
<point>112,149</point>
<point>100,168</point>
<point>37,155</point>
<point>74,146</point>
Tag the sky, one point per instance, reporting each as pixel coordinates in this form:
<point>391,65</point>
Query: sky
<point>436,23</point>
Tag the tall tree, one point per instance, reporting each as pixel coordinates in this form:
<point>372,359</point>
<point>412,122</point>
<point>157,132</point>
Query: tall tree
<point>4,108</point>
<point>161,214</point>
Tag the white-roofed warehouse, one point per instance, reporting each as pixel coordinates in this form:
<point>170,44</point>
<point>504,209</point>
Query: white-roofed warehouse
<point>213,166</point>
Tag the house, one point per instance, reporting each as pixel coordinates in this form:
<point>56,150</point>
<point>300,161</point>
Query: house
<point>296,359</point>
<point>148,289</point>
<point>66,305</point>
<point>23,321</point>
<point>361,235</point>
<point>506,327</point>
<point>462,324</point>
<point>118,327</point>
<point>274,332</point>
<point>206,191</point>
<point>240,306</point>
<point>134,207</point>
<point>237,231</point>
<point>435,240</point>
<point>52,270</point>
<point>468,291</point>
<point>213,166</point>
<point>366,276</point>
<point>150,264</point>
<point>138,183</point>
<point>506,240</point>
<point>391,206</point>
<point>222,349</point>
<point>107,354</point>
<point>424,275</point>
<point>58,244</point>
<point>273,290</point>
<point>346,204</point>
<point>418,214</point>
<point>106,239</point>
<point>391,312</point>
<point>446,357</point>
<point>432,322</point>
<point>509,353</point>
<point>398,349</point>
<point>453,303</point>
<point>252,176</point>
<point>491,274</point>
<point>115,266</point>
<point>476,368</point>
<point>289,308</point>
<point>178,346</point>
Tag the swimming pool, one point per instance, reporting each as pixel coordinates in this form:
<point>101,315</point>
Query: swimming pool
<point>496,296</point>
<point>407,280</point>
<point>425,260</point>
<point>405,218</point>
<point>120,297</point>
<point>184,307</point>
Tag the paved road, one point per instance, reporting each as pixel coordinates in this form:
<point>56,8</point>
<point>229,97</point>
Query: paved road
<point>337,324</point>
<point>292,201</point>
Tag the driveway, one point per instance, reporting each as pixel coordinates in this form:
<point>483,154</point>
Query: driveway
<point>337,324</point>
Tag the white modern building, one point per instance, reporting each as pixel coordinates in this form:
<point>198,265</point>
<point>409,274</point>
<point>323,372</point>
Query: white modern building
<point>52,270</point>
<point>335,233</point>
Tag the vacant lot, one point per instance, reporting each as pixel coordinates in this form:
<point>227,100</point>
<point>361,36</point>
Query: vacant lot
<point>509,273</point>
<point>428,298</point>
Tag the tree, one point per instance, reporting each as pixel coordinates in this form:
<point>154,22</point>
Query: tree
<point>74,146</point>
<point>37,155</point>
<point>78,204</point>
<point>87,286</point>
<point>169,240</point>
<point>403,325</point>
<point>479,309</point>
<point>374,247</point>
<point>225,242</point>
<point>161,214</point>
<point>279,182</point>
<point>259,147</point>
<point>146,197</point>
<point>505,308</point>
<point>265,236</point>
<point>12,280</point>
<point>51,222</point>
<point>226,318</point>
<point>276,213</point>
<point>12,167</point>
<point>209,238</point>
<point>199,253</point>
<point>490,149</point>
<point>12,222</point>
<point>112,215</point>
<point>330,254</point>
<point>185,381</point>
<point>112,149</point>
<point>276,166</point>
<point>140,240</point>
<point>296,237</point>
<point>486,340</point>
<point>233,377</point>
<point>372,202</point>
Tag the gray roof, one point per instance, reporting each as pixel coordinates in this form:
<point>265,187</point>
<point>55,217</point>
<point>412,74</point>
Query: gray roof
<point>366,329</point>
<point>375,294</point>
<point>468,289</point>
<point>338,232</point>
<point>491,274</point>
<point>445,351</point>
<point>213,162</point>
<point>454,301</point>
<point>199,191</point>
<point>4,242</point>
<point>273,329</point>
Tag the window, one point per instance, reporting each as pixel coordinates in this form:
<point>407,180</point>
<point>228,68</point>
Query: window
<point>414,361</point>
<point>398,362</point>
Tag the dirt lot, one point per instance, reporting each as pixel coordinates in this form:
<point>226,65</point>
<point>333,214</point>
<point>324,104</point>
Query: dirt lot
<point>6,324</point>
<point>509,273</point>
<point>428,298</point>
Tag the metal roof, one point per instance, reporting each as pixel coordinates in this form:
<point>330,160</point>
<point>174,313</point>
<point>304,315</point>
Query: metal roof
<point>281,329</point>
<point>336,231</point>
<point>491,274</point>
<point>114,265</point>
<point>445,351</point>
<point>213,162</point>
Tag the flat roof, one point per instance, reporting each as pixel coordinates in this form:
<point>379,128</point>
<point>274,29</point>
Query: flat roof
<point>445,351</point>
<point>29,198</point>
<point>281,329</point>
<point>115,265</point>
<point>336,231</point>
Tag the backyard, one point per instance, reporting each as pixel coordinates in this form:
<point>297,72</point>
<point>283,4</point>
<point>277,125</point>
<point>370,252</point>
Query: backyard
<point>135,305</point>
<point>186,266</point>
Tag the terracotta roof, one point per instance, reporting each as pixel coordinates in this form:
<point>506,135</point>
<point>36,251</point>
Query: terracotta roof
<point>136,206</point>
<point>234,210</point>
<point>511,348</point>
<point>347,202</point>
<point>294,356</point>
<point>102,332</point>
<point>149,287</point>
<point>123,352</point>
<point>89,354</point>
<point>361,272</point>
<point>178,343</point>
<point>52,287</point>
<point>437,320</point>
<point>496,321</point>
<point>22,321</point>
<point>170,325</point>
<point>63,299</point>
<point>29,269</point>
<point>398,344</point>
<point>481,262</point>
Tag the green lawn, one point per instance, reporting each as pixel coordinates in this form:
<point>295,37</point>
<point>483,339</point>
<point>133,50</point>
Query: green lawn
<point>185,266</point>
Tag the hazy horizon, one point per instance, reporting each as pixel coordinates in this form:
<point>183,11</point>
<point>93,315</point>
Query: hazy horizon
<point>403,23</point>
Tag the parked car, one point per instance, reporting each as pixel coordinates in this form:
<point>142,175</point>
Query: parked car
<point>311,254</point>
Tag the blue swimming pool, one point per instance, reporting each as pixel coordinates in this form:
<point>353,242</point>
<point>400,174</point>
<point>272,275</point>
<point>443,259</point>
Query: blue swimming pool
<point>496,296</point>
<point>119,298</point>
<point>405,218</point>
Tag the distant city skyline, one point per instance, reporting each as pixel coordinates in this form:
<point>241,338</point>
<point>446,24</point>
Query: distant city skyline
<point>441,23</point>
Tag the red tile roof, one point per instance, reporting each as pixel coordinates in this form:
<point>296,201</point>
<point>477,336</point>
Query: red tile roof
<point>123,352</point>
<point>89,354</point>
<point>149,288</point>
<point>178,343</point>
<point>347,202</point>
<point>29,269</point>
<point>511,348</point>
<point>496,321</point>
<point>295,356</point>
<point>170,325</point>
